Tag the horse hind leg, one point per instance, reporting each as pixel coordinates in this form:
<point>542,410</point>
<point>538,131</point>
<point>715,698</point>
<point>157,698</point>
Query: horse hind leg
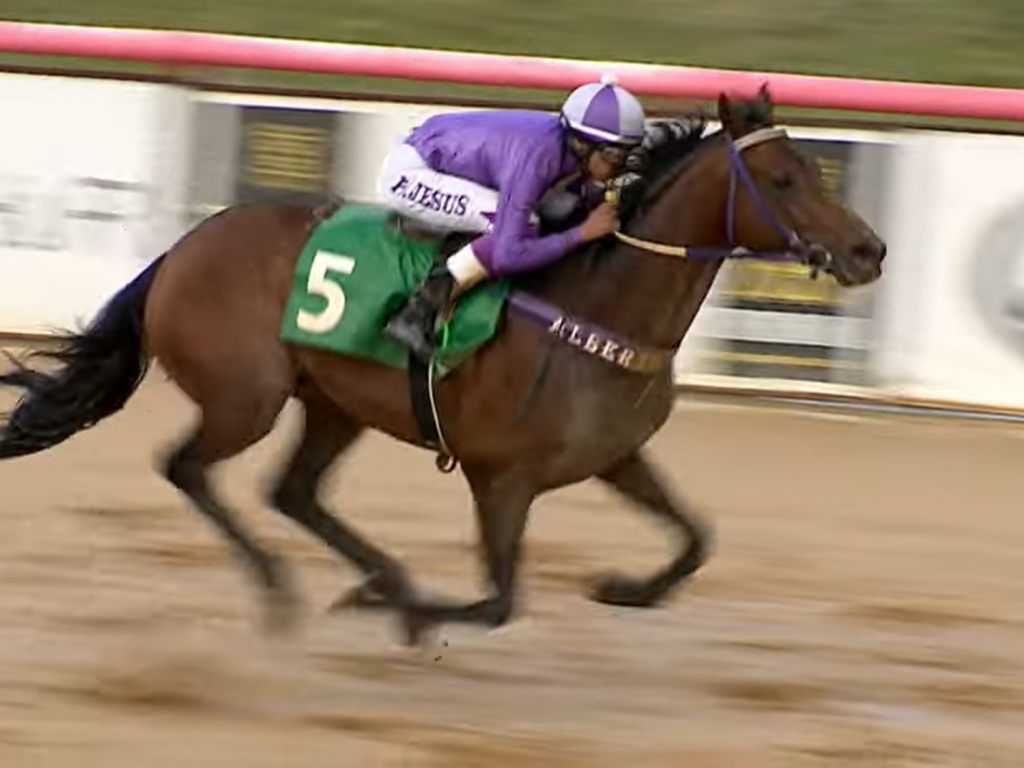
<point>635,479</point>
<point>232,419</point>
<point>327,434</point>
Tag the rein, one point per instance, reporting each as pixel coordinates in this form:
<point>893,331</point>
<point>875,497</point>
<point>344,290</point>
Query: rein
<point>797,248</point>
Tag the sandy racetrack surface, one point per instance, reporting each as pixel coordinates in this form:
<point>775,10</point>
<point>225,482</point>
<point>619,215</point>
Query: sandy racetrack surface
<point>864,606</point>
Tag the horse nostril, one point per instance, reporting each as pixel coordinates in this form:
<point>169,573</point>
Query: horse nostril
<point>870,249</point>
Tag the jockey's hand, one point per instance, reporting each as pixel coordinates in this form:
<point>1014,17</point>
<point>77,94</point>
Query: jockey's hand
<point>602,221</point>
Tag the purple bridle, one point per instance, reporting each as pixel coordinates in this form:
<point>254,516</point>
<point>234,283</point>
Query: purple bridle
<point>797,248</point>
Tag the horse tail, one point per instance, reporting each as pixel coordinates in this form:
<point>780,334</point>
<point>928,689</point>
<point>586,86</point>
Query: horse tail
<point>99,369</point>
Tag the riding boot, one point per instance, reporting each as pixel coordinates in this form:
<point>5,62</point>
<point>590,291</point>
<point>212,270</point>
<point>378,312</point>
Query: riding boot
<point>413,325</point>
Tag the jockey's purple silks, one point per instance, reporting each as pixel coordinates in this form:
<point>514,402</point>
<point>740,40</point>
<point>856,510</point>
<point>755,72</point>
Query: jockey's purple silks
<point>519,153</point>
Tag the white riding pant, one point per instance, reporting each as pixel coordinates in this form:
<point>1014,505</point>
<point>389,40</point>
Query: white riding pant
<point>440,202</point>
<point>434,199</point>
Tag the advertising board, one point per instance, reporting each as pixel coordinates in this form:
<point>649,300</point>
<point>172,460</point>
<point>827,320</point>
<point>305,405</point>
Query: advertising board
<point>954,303</point>
<point>91,186</point>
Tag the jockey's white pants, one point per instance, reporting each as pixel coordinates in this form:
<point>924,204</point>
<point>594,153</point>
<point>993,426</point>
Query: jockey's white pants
<point>440,202</point>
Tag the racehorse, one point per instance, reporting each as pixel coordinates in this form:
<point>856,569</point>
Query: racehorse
<point>572,386</point>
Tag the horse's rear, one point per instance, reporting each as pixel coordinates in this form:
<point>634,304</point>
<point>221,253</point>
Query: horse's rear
<point>212,320</point>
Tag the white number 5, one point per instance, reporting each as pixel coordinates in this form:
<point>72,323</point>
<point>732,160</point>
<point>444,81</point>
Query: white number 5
<point>319,284</point>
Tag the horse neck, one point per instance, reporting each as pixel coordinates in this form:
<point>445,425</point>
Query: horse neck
<point>649,298</point>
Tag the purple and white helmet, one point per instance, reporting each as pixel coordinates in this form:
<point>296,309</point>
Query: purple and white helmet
<point>604,112</point>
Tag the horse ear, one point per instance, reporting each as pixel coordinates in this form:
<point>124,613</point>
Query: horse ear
<point>725,112</point>
<point>764,95</point>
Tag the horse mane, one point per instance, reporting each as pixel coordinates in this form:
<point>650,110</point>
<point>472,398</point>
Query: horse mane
<point>668,161</point>
<point>664,165</point>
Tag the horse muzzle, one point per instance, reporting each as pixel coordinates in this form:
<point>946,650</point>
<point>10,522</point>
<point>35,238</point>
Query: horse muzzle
<point>860,266</point>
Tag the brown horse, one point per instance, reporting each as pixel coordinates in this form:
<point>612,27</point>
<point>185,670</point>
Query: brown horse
<point>575,383</point>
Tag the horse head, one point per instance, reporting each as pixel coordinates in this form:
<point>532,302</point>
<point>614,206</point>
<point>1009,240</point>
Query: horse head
<point>778,201</point>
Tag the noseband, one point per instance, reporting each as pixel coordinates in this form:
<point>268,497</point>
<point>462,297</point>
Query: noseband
<point>797,249</point>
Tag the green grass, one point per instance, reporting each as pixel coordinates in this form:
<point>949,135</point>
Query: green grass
<point>957,41</point>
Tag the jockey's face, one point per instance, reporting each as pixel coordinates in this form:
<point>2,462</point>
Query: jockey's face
<point>599,168</point>
<point>600,162</point>
<point>604,162</point>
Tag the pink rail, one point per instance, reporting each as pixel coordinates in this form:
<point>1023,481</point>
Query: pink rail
<point>172,47</point>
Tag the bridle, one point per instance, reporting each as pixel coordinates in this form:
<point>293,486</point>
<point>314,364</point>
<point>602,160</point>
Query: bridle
<point>797,248</point>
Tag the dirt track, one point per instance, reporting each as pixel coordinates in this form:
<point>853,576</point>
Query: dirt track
<point>864,606</point>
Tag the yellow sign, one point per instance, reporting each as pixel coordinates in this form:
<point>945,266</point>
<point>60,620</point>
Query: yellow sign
<point>779,283</point>
<point>831,175</point>
<point>286,156</point>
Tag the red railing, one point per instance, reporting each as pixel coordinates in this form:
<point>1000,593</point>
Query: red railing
<point>171,47</point>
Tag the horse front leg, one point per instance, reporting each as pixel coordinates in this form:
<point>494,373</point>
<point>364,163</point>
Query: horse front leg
<point>636,479</point>
<point>502,503</point>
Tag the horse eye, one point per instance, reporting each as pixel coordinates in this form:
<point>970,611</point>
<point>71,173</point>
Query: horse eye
<point>782,181</point>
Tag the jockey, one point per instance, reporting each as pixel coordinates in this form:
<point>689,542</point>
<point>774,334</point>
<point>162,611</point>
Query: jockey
<point>484,172</point>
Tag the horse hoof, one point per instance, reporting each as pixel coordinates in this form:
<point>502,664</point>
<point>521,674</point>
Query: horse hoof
<point>417,629</point>
<point>623,592</point>
<point>281,612</point>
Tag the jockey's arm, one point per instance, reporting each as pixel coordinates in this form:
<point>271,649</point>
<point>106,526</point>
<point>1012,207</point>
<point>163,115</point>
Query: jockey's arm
<point>516,246</point>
